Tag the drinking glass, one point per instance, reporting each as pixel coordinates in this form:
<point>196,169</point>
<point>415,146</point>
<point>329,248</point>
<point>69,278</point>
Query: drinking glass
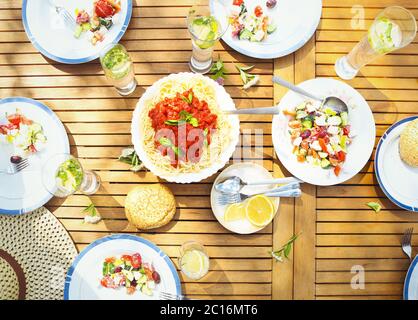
<point>205,31</point>
<point>118,68</point>
<point>63,175</point>
<point>193,260</point>
<point>394,28</point>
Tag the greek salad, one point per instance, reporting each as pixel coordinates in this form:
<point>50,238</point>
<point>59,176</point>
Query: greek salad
<point>128,271</point>
<point>98,22</point>
<point>320,136</point>
<point>251,24</point>
<point>24,134</point>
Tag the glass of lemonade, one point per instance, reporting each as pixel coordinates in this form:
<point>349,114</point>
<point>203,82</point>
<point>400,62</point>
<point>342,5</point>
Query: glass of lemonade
<point>193,260</point>
<point>394,28</point>
<point>205,31</point>
<point>63,175</point>
<point>118,68</point>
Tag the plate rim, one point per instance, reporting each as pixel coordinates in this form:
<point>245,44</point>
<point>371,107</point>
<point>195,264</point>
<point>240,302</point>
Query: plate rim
<point>282,53</point>
<point>276,118</point>
<point>57,120</point>
<point>95,243</point>
<point>376,164</point>
<point>411,269</point>
<point>67,60</point>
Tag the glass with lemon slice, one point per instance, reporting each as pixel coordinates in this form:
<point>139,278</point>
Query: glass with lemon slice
<point>193,260</point>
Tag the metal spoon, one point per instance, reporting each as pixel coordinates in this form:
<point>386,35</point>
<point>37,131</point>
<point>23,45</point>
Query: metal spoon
<point>234,184</point>
<point>331,102</point>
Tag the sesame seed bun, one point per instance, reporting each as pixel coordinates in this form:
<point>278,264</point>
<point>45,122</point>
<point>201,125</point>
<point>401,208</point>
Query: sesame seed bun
<point>150,206</point>
<point>408,144</point>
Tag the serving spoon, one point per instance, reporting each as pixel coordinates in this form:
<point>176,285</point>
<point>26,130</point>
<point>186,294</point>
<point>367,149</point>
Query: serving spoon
<point>330,102</point>
<point>234,184</point>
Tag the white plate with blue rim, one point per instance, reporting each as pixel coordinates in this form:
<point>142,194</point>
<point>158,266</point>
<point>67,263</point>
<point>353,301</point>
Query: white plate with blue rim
<point>360,120</point>
<point>24,192</point>
<point>295,21</point>
<point>51,37</point>
<point>398,180</point>
<point>83,277</point>
<point>410,291</point>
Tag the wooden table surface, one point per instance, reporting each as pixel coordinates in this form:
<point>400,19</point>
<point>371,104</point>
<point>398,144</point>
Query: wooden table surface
<point>338,230</point>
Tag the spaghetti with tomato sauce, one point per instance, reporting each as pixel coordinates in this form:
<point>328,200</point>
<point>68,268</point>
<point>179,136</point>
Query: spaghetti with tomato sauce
<point>191,122</point>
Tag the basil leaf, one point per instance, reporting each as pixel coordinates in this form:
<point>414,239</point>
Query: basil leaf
<point>375,206</point>
<point>171,122</point>
<point>185,99</point>
<point>194,122</point>
<point>190,97</point>
<point>165,142</point>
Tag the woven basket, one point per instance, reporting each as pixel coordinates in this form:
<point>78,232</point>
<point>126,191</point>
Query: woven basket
<point>35,254</point>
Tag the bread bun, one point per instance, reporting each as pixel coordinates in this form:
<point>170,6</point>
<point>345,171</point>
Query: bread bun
<point>408,144</point>
<point>150,206</point>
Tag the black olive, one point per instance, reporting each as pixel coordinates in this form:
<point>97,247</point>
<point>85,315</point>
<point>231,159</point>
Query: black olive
<point>15,159</point>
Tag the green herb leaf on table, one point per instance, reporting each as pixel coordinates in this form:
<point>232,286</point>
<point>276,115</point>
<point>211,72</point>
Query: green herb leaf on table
<point>130,157</point>
<point>248,79</point>
<point>218,71</point>
<point>375,206</point>
<point>91,214</point>
<point>285,250</point>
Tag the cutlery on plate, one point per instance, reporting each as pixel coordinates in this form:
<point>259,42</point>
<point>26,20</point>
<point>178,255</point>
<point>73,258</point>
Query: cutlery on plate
<point>170,296</point>
<point>406,242</point>
<point>331,102</point>
<point>226,198</point>
<point>234,184</point>
<point>15,167</point>
<point>66,16</point>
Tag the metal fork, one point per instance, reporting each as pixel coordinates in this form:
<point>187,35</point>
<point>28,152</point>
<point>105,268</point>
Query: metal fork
<point>406,242</point>
<point>15,167</point>
<point>289,190</point>
<point>170,296</point>
<point>66,16</point>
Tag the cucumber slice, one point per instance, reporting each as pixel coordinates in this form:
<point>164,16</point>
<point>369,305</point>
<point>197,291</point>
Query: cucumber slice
<point>271,28</point>
<point>78,31</point>
<point>344,118</point>
<point>325,164</point>
<point>245,34</point>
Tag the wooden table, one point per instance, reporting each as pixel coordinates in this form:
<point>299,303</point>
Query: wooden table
<point>338,230</point>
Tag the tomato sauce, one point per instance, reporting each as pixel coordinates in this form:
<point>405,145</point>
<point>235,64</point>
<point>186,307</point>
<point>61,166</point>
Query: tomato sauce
<point>182,115</point>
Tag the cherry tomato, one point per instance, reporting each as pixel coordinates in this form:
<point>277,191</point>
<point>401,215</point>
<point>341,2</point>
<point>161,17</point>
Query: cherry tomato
<point>126,257</point>
<point>323,144</point>
<point>237,2</point>
<point>15,119</point>
<point>136,260</point>
<point>337,170</point>
<point>258,11</point>
<point>341,156</point>
<point>110,260</point>
<point>346,131</point>
<point>104,9</point>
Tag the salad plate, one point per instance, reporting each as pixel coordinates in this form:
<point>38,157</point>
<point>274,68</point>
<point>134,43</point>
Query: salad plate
<point>268,29</point>
<point>399,185</point>
<point>81,43</point>
<point>336,146</point>
<point>28,129</point>
<point>410,291</point>
<point>95,272</point>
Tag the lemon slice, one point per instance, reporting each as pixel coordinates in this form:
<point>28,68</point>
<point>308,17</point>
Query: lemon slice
<point>194,264</point>
<point>259,210</point>
<point>235,212</point>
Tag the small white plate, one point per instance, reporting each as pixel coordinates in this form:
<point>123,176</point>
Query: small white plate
<point>398,180</point>
<point>410,291</point>
<point>361,121</point>
<point>248,172</point>
<point>296,22</point>
<point>24,192</point>
<point>48,33</point>
<point>83,277</point>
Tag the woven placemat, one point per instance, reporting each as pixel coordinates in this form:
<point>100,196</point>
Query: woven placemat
<point>35,254</point>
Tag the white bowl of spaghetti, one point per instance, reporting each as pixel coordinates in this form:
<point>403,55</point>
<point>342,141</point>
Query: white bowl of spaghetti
<point>179,130</point>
